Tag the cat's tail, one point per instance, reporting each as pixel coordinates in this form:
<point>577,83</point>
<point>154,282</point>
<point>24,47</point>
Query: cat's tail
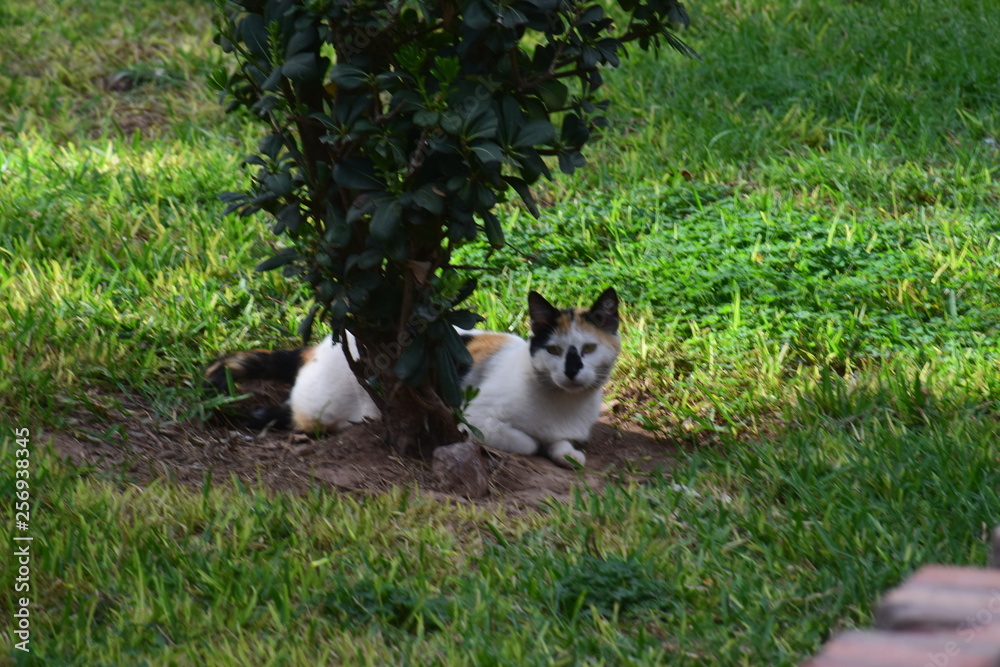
<point>264,365</point>
<point>271,365</point>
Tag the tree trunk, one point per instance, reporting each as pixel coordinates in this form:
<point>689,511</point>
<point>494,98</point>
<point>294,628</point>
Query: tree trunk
<point>417,421</point>
<point>415,418</point>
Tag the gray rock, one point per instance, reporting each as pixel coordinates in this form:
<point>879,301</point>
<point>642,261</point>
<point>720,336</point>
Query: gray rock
<point>460,468</point>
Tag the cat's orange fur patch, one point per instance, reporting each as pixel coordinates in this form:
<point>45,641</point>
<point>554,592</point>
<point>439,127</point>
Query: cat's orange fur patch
<point>485,345</point>
<point>305,424</point>
<point>566,319</point>
<point>566,322</point>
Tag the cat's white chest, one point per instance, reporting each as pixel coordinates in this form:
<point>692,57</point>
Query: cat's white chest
<point>555,415</point>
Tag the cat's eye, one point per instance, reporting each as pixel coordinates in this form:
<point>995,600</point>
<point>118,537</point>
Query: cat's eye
<point>553,349</point>
<point>589,347</point>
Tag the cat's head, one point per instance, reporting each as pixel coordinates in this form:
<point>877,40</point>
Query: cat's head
<point>574,349</point>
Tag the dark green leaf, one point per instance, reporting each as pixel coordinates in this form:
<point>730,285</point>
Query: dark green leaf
<point>453,342</point>
<point>232,197</point>
<point>361,207</point>
<point>284,256</point>
<point>426,118</point>
<point>385,220</point>
<point>338,232</point>
<point>524,191</point>
<point>487,152</point>
<point>429,199</point>
<point>358,296</point>
<point>326,290</point>
<point>511,17</point>
<point>301,67</point>
<point>510,118</point>
<point>338,312</point>
<point>255,35</point>
<point>481,125</point>
<point>574,131</point>
<point>305,327</point>
<point>447,371</point>
<point>347,76</point>
<point>233,207</point>
<point>536,132</point>
<point>465,291</point>
<point>609,50</point>
<point>553,94</point>
<point>369,259</point>
<point>570,161</point>
<point>678,45</point>
<point>451,123</point>
<point>463,319</point>
<point>271,82</point>
<point>270,145</point>
<point>265,104</point>
<point>327,121</point>
<point>494,233</point>
<point>533,166</point>
<point>357,174</point>
<point>301,40</point>
<point>593,13</point>
<point>279,184</point>
<point>486,198</point>
<point>678,15</point>
<point>291,217</point>
<point>409,361</point>
<point>478,15</point>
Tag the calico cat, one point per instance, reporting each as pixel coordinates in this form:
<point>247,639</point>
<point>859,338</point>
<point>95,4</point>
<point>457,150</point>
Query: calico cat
<point>535,396</point>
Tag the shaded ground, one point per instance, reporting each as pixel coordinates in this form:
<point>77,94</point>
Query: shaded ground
<point>356,460</point>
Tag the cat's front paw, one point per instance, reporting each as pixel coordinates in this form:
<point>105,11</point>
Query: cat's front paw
<point>564,453</point>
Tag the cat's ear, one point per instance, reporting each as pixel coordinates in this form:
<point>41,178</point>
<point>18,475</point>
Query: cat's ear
<point>544,316</point>
<point>604,313</point>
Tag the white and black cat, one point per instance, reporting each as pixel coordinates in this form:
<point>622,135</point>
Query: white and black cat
<point>540,395</point>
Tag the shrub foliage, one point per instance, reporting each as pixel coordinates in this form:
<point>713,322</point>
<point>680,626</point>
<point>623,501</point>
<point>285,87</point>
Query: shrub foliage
<point>394,128</point>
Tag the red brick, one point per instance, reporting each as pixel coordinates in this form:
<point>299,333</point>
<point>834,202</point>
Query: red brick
<point>906,649</point>
<point>962,577</point>
<point>995,551</point>
<point>943,598</point>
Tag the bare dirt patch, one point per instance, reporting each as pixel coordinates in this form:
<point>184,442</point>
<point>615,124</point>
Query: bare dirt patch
<point>142,448</point>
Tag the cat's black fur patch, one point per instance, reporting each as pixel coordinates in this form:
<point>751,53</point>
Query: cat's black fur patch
<point>544,320</point>
<point>278,366</point>
<point>542,331</point>
<point>540,338</point>
<point>463,369</point>
<point>604,313</point>
<point>279,417</point>
<point>573,362</point>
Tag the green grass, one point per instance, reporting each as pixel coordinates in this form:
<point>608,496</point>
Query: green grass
<point>803,227</point>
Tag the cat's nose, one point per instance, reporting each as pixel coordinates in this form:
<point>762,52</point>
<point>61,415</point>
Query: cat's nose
<point>573,362</point>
